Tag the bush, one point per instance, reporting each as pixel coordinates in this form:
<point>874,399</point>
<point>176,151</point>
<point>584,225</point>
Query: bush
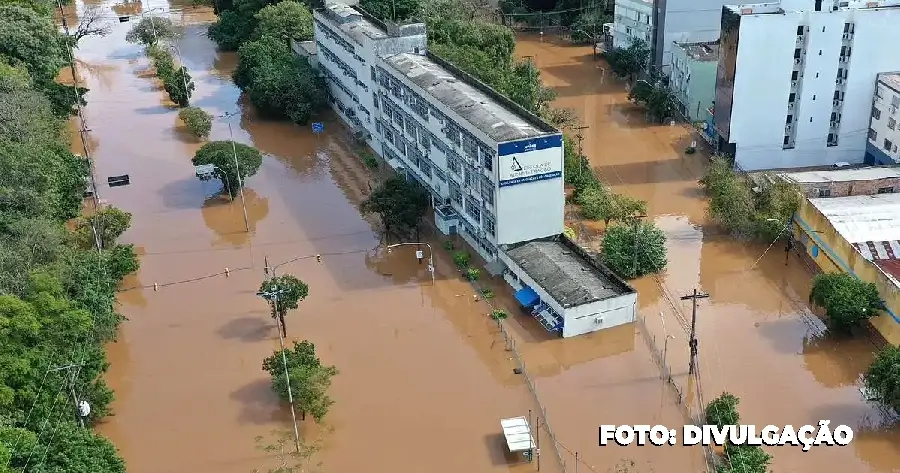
<point>736,207</point>
<point>461,259</point>
<point>722,410</point>
<point>882,379</point>
<point>847,301</point>
<point>221,154</point>
<point>448,245</point>
<point>620,242</point>
<point>179,86</point>
<point>487,293</point>
<point>152,29</point>
<point>197,121</point>
<point>473,274</point>
<point>309,379</point>
<point>499,314</point>
<point>370,160</point>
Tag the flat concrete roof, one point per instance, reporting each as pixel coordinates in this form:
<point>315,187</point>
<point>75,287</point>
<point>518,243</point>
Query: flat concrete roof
<point>353,23</point>
<point>485,113</point>
<point>890,79</point>
<point>843,175</point>
<point>863,218</point>
<point>570,278</point>
<point>708,51</point>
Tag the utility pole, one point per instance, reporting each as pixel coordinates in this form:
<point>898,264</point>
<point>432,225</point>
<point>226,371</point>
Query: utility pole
<point>237,171</point>
<point>82,408</point>
<point>692,343</point>
<point>580,137</point>
<point>273,299</point>
<point>637,228</point>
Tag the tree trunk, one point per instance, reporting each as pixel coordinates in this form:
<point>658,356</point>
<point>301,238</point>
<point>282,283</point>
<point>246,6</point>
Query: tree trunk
<point>283,327</point>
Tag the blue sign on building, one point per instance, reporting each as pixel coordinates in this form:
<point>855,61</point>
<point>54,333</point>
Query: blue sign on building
<point>318,127</point>
<point>531,160</point>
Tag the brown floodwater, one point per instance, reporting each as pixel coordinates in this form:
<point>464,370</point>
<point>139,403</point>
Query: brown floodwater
<point>424,375</point>
<point>758,337</point>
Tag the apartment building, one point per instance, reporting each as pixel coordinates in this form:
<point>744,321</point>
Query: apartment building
<point>796,78</point>
<point>494,170</point>
<point>884,135</point>
<point>662,23</point>
<point>692,78</point>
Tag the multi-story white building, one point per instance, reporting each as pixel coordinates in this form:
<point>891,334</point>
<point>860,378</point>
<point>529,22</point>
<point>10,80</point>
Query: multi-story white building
<point>662,23</point>
<point>795,79</point>
<point>494,170</point>
<point>884,134</point>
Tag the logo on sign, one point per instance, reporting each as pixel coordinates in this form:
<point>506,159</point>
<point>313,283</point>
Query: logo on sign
<point>516,167</point>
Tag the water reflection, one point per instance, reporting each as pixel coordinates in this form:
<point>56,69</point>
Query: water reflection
<point>294,146</point>
<point>127,8</point>
<point>879,447</point>
<point>399,264</point>
<point>835,361</point>
<point>226,219</point>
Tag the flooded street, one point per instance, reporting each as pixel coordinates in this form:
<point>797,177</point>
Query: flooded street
<point>758,338</point>
<point>424,378</point>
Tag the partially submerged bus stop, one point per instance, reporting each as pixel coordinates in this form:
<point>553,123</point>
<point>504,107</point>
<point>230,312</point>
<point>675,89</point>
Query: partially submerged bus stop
<point>518,436</point>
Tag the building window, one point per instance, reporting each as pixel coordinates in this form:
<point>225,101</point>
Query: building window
<point>797,53</point>
<point>832,140</point>
<point>800,30</point>
<point>440,174</point>
<point>885,190</point>
<point>892,124</point>
<point>787,140</point>
<point>873,135</point>
<point>824,192</point>
<point>876,114</point>
<point>454,164</point>
<point>489,226</point>
<point>795,75</point>
<point>473,209</point>
<point>790,118</point>
<point>470,177</point>
<point>487,159</point>
<point>792,97</point>
<point>455,193</point>
<point>895,102</point>
<point>888,144</point>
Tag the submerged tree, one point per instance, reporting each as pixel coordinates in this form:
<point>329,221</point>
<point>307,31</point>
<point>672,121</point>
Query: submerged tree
<point>847,300</point>
<point>229,158</point>
<point>400,203</point>
<point>309,379</point>
<point>284,293</point>
<point>882,379</point>
<point>633,250</point>
<point>197,121</point>
<point>151,30</point>
<point>722,410</point>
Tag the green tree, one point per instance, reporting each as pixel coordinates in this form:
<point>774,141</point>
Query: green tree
<point>744,459</point>
<point>598,203</point>
<point>30,38</point>
<point>722,410</point>
<point>109,223</point>
<point>151,30</point>
<point>179,85</point>
<point>309,379</point>
<point>231,30</point>
<point>588,26</point>
<point>622,241</point>
<point>882,379</point>
<point>277,82</point>
<point>401,204</point>
<point>394,10</point>
<point>629,61</point>
<point>284,293</point>
<point>197,121</point>
<point>285,21</point>
<point>847,300</point>
<point>221,154</point>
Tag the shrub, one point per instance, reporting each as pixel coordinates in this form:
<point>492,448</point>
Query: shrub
<point>197,121</point>
<point>487,293</point>
<point>461,259</point>
<point>882,379</point>
<point>722,410</point>
<point>472,274</point>
<point>621,241</point>
<point>499,314</point>
<point>847,301</point>
<point>448,245</point>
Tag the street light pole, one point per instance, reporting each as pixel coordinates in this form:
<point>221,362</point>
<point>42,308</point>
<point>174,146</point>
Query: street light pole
<point>637,226</point>
<point>430,255</point>
<point>237,171</point>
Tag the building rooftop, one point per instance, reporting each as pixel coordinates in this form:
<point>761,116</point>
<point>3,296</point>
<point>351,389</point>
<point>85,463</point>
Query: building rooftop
<point>353,23</point>
<point>843,175</point>
<point>566,272</point>
<point>473,105</point>
<point>862,218</point>
<point>890,79</point>
<point>708,51</point>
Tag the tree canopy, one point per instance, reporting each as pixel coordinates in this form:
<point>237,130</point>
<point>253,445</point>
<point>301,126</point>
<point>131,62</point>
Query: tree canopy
<point>882,379</point>
<point>221,154</point>
<point>285,20</point>
<point>197,121</point>
<point>151,30</point>
<point>847,300</point>
<point>599,203</point>
<point>290,290</point>
<point>630,60</point>
<point>57,293</point>
<point>401,204</point>
<point>309,379</point>
<point>722,411</point>
<point>622,241</point>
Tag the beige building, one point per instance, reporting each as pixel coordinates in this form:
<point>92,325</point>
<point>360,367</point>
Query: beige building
<point>847,182</point>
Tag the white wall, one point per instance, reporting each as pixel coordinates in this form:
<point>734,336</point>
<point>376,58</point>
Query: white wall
<point>690,21</point>
<point>763,83</point>
<point>633,19</point>
<point>533,209</point>
<point>885,105</point>
<point>600,315</point>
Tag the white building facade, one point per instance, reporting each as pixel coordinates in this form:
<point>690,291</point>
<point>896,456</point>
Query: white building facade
<point>884,134</point>
<point>796,78</point>
<point>494,170</point>
<point>662,23</point>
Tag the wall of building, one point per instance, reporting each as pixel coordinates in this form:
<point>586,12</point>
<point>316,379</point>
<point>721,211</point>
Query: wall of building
<point>832,253</point>
<point>693,82</point>
<point>531,189</point>
<point>763,84</point>
<point>689,21</point>
<point>633,19</point>
<point>884,132</point>
<point>848,188</point>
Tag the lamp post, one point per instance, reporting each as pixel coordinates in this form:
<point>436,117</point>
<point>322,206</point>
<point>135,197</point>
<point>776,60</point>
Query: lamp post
<point>418,255</point>
<point>237,169</point>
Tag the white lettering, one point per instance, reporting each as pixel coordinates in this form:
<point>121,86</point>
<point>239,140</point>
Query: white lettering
<point>770,435</point>
<point>659,435</point>
<point>691,435</point>
<point>607,433</point>
<point>642,431</point>
<point>624,435</point>
<point>843,435</point>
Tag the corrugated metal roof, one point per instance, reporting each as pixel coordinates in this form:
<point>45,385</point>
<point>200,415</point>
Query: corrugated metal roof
<point>843,175</point>
<point>484,113</point>
<point>863,218</point>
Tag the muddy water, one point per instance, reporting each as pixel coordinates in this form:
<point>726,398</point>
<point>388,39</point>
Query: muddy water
<point>758,337</point>
<point>424,378</point>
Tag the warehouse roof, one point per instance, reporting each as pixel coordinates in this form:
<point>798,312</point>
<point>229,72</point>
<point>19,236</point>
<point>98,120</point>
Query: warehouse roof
<point>566,272</point>
<point>483,112</point>
<point>862,218</point>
